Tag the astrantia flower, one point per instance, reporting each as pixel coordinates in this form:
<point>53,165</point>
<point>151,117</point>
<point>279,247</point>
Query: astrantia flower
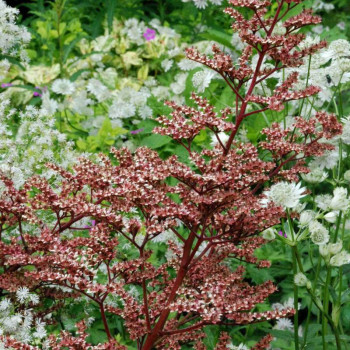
<point>167,64</point>
<point>339,200</point>
<point>63,87</point>
<point>202,79</point>
<point>286,194</point>
<point>300,279</point>
<point>316,176</point>
<point>284,324</point>
<point>335,248</point>
<point>201,4</point>
<point>323,201</point>
<point>22,294</point>
<point>340,259</point>
<point>319,234</point>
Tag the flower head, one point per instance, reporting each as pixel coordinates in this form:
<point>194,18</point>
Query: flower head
<point>300,279</point>
<point>63,87</point>
<point>319,234</point>
<point>286,194</point>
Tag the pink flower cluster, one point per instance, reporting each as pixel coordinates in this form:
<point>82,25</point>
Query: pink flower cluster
<point>212,206</point>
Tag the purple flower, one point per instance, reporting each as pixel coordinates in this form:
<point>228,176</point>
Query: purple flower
<point>93,223</point>
<point>281,234</point>
<point>134,132</point>
<point>6,85</point>
<point>149,34</point>
<point>35,94</point>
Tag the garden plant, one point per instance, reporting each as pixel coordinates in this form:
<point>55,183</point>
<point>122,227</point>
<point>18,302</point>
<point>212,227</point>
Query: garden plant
<point>174,175</point>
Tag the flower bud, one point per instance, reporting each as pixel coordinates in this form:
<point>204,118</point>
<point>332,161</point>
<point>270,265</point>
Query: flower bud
<point>300,279</point>
<point>335,248</point>
<point>269,234</point>
<point>347,175</point>
<point>331,217</point>
<point>306,217</point>
<point>324,251</point>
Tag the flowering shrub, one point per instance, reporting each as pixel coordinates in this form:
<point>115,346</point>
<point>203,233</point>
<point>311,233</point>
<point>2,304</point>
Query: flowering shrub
<point>209,208</point>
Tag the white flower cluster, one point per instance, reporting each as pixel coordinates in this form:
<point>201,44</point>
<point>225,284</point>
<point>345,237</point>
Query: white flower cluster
<point>22,325</point>
<point>25,152</point>
<point>13,38</point>
<point>335,254</point>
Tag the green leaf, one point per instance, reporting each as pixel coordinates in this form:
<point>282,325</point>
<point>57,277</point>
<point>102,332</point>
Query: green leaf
<point>155,141</point>
<point>218,36</point>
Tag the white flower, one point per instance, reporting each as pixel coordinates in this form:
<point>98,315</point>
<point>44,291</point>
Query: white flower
<point>201,4</point>
<point>179,85</point>
<point>331,217</point>
<point>99,90</point>
<point>222,136</point>
<point>186,64</point>
<point>202,79</point>
<point>13,38</point>
<point>306,217</point>
<point>63,87</point>
<point>335,248</point>
<point>286,194</point>
<point>22,294</point>
<point>319,234</point>
<point>284,324</point>
<point>316,176</point>
<point>300,279</point>
<point>5,304</point>
<point>323,201</point>
<point>167,64</point>
<point>339,200</point>
<point>145,111</point>
<point>340,259</point>
<point>34,298</point>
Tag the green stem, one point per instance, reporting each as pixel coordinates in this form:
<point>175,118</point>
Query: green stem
<point>296,315</point>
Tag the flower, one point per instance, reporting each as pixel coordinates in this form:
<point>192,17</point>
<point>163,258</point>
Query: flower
<point>201,80</point>
<point>335,248</point>
<point>284,324</point>
<point>339,200</point>
<point>134,132</point>
<point>22,294</point>
<point>286,194</point>
<point>306,217</point>
<point>319,234</point>
<point>6,85</point>
<point>300,279</point>
<point>331,217</point>
<point>167,64</point>
<point>340,259</point>
<point>316,176</point>
<point>149,34</point>
<point>63,87</point>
